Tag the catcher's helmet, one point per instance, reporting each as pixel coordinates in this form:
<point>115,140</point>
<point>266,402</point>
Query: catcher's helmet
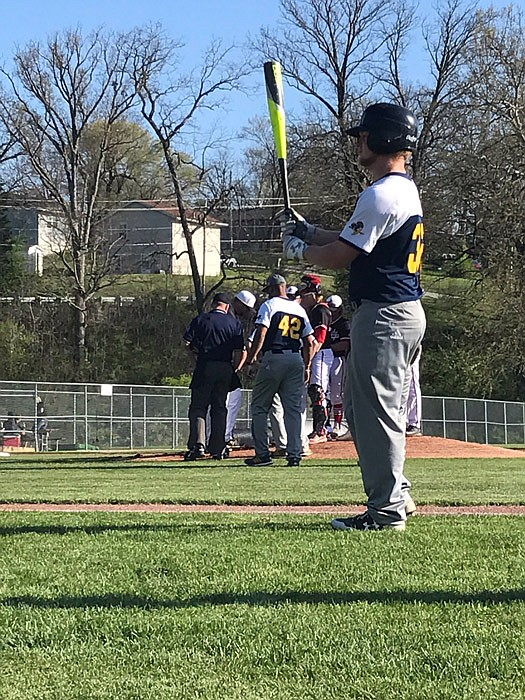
<point>311,284</point>
<point>391,128</point>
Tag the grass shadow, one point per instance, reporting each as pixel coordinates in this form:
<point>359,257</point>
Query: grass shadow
<point>183,528</point>
<point>270,599</point>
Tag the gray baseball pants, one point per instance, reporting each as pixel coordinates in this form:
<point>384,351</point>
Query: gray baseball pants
<point>384,340</point>
<point>277,422</point>
<point>282,374</point>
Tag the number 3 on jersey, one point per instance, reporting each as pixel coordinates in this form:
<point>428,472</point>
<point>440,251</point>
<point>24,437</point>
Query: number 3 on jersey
<point>290,326</point>
<point>414,259</point>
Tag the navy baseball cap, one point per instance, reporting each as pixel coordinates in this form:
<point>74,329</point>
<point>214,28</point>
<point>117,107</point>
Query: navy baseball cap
<point>274,280</point>
<point>222,298</point>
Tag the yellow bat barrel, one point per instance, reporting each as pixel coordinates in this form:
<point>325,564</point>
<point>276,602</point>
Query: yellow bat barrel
<point>274,91</point>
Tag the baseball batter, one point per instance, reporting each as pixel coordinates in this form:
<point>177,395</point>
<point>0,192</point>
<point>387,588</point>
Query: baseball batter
<point>383,244</point>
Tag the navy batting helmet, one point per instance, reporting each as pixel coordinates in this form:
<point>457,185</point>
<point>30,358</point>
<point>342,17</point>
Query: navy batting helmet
<point>391,128</point>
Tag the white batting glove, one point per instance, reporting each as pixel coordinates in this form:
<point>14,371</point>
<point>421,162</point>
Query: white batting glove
<point>294,248</point>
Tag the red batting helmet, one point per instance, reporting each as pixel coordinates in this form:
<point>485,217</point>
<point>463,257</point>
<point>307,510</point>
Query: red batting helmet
<point>311,284</point>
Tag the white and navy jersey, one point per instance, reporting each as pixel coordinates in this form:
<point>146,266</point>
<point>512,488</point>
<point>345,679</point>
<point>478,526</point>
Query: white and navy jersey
<point>287,324</point>
<point>387,228</point>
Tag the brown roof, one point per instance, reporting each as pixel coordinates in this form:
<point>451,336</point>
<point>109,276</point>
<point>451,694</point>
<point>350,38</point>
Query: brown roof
<point>170,207</point>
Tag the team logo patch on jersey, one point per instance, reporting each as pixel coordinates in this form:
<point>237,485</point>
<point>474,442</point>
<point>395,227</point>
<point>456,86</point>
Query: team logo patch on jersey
<point>357,227</point>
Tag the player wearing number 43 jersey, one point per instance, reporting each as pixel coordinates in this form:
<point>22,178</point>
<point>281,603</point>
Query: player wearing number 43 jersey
<point>382,244</point>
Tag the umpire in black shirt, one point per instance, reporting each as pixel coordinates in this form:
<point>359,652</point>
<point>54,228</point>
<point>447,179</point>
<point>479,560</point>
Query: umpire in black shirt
<point>216,337</point>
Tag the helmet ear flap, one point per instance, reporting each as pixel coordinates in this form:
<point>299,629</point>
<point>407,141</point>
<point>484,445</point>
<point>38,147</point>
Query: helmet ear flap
<point>381,144</point>
<point>373,142</point>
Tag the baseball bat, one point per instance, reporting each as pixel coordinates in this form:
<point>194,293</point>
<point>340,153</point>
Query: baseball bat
<point>274,91</point>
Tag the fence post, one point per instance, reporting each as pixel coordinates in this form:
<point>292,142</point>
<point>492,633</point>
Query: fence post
<point>174,422</point>
<point>75,415</point>
<point>86,428</point>
<point>465,418</point>
<point>130,417</point>
<point>486,423</point>
<point>444,419</point>
<point>144,422</point>
<point>505,422</point>
<point>177,420</point>
<point>111,421</point>
<point>35,420</point>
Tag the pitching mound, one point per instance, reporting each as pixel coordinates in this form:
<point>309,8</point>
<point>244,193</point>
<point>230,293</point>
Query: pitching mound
<point>422,446</point>
<point>417,446</point>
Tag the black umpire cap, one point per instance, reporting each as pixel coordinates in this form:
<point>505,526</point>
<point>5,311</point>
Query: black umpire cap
<point>222,298</point>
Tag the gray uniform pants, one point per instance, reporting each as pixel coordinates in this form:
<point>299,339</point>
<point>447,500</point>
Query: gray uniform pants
<point>277,422</point>
<point>282,374</point>
<point>384,340</point>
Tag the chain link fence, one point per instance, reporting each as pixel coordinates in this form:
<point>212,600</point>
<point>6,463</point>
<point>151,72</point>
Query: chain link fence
<point>117,416</point>
<point>474,420</point>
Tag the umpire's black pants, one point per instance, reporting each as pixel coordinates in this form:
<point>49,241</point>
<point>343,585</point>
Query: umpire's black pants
<point>210,385</point>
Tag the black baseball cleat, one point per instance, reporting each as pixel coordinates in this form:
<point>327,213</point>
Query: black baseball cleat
<point>363,522</point>
<point>294,461</point>
<point>412,431</point>
<point>194,453</point>
<point>257,461</point>
<point>222,455</point>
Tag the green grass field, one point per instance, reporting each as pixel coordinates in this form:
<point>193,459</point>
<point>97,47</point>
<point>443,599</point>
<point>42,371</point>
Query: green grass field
<point>163,606</point>
<point>77,478</point>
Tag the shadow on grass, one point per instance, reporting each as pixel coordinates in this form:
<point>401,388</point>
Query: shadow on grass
<point>95,465</point>
<point>269,599</point>
<point>184,528</point>
<point>112,463</point>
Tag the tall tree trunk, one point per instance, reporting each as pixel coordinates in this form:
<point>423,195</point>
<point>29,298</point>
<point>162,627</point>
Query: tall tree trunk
<point>197,282</point>
<point>80,337</point>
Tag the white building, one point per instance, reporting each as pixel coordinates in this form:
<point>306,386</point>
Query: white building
<point>40,230</point>
<point>153,239</point>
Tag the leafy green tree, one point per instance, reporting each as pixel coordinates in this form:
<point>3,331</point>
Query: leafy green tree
<point>134,165</point>
<point>12,262</point>
<point>17,345</point>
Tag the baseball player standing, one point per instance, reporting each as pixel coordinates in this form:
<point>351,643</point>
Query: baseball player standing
<point>320,318</point>
<point>383,244</point>
<point>284,339</point>
<point>338,340</point>
<point>243,307</point>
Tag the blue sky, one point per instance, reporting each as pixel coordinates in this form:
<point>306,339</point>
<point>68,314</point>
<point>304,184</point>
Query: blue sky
<point>194,21</point>
<point>197,20</point>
